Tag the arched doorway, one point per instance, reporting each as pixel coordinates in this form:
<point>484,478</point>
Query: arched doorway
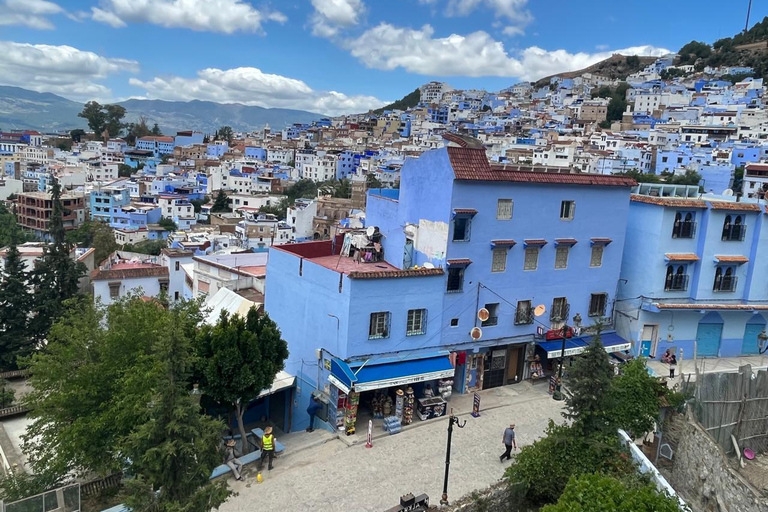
<point>709,335</point>
<point>754,326</point>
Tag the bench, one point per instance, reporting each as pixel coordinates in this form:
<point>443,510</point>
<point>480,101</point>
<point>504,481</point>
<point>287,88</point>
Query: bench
<point>278,445</point>
<point>245,459</point>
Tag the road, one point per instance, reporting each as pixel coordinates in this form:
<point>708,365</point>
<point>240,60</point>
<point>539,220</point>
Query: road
<point>334,476</point>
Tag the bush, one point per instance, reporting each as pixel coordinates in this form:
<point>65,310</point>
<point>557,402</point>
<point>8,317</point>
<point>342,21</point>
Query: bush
<point>602,493</point>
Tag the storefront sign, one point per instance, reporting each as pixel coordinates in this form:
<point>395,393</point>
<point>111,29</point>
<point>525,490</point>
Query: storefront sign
<point>476,406</point>
<point>573,351</point>
<point>410,379</point>
<point>618,348</point>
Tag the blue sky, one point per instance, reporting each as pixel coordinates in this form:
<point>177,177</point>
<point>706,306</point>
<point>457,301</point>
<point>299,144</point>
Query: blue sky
<point>330,56</point>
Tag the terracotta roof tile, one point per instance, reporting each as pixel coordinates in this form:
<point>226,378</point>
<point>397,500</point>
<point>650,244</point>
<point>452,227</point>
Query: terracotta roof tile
<point>731,205</point>
<point>470,211</point>
<point>566,241</point>
<point>508,242</point>
<point>685,256</point>
<point>129,273</point>
<point>678,202</point>
<point>737,307</point>
<point>535,241</point>
<point>603,240</point>
<point>397,273</point>
<point>460,261</point>
<point>731,259</point>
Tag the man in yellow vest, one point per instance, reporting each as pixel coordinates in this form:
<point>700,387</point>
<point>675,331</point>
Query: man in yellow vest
<point>267,448</point>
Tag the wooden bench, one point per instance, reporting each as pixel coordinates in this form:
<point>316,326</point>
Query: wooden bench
<point>245,459</point>
<point>279,448</point>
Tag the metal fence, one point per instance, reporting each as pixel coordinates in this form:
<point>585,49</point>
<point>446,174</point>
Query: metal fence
<point>734,404</point>
<point>63,499</point>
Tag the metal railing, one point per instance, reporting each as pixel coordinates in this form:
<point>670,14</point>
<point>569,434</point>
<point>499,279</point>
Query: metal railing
<point>684,229</point>
<point>725,284</point>
<point>734,233</point>
<point>676,283</point>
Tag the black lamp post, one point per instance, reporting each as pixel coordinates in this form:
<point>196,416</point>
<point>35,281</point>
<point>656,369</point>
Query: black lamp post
<point>558,393</point>
<point>451,420</point>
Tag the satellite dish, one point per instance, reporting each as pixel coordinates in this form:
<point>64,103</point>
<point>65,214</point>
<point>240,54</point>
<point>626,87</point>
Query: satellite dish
<point>728,192</point>
<point>370,230</point>
<point>539,310</point>
<point>428,265</point>
<point>476,333</point>
<point>483,314</point>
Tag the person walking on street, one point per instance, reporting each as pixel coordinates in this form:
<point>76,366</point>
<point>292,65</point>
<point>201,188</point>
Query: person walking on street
<point>314,406</point>
<point>231,460</point>
<point>672,366</point>
<point>509,441</point>
<point>267,448</point>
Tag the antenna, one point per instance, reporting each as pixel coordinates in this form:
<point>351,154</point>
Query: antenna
<point>539,310</point>
<point>476,333</point>
<point>483,314</point>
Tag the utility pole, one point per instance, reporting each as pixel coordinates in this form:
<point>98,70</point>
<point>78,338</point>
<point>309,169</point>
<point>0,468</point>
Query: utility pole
<point>451,420</point>
<point>749,9</point>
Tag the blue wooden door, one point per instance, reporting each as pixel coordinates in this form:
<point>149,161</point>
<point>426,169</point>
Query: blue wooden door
<point>645,348</point>
<point>749,343</point>
<point>708,339</point>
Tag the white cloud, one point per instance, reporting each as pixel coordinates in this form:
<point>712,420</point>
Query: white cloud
<point>30,13</point>
<point>61,70</point>
<point>331,15</point>
<point>225,16</point>
<point>514,12</point>
<point>477,54</point>
<point>251,86</point>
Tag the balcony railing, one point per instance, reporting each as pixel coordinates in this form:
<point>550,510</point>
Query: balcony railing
<point>523,317</point>
<point>676,283</point>
<point>725,284</point>
<point>684,229</point>
<point>734,233</point>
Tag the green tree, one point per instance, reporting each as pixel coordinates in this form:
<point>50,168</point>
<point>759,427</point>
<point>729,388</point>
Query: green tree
<point>635,398</point>
<point>633,62</point>
<point>220,204</point>
<point>225,133</point>
<point>604,92</point>
<point>92,383</point>
<point>114,119</point>
<point>15,305</point>
<point>156,129</point>
<point>175,449</point>
<point>602,493</point>
<point>10,231</point>
<point>588,399</point>
<point>104,242</point>
<point>303,188</point>
<point>151,247</point>
<point>168,224</point>
<point>344,189</point>
<point>124,170</point>
<point>94,113</point>
<point>137,130</point>
<point>240,357</point>
<point>616,108</point>
<point>693,51</point>
<point>371,181</point>
<point>738,180</point>
<point>77,134</point>
<point>56,276</point>
<point>409,100</point>
<point>7,394</point>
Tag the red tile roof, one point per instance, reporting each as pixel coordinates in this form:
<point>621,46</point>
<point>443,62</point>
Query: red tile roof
<point>566,241</point>
<point>460,261</point>
<point>731,205</point>
<point>508,242</point>
<point>731,259</point>
<point>472,164</point>
<point>686,256</point>
<point>397,273</point>
<point>599,240</point>
<point>535,241</point>
<point>678,202</point>
<point>738,307</point>
<point>470,211</point>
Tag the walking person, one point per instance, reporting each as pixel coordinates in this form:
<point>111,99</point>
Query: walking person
<point>672,366</point>
<point>509,442</point>
<point>267,448</point>
<point>231,460</point>
<point>314,406</point>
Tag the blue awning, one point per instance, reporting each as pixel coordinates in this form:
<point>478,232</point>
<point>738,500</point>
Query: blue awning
<point>574,346</point>
<point>379,376</point>
<point>341,375</point>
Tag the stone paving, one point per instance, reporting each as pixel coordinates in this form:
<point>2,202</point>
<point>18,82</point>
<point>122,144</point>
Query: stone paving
<point>335,476</point>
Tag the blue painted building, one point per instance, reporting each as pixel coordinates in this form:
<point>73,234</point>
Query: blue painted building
<point>157,144</point>
<point>106,201</point>
<point>187,138</point>
<point>136,217</point>
<point>690,275</point>
<point>255,153</point>
<point>458,237</point>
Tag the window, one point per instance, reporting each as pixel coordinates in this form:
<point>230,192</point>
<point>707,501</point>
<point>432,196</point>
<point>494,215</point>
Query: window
<point>454,322</point>
<point>461,229</point>
<point>561,256</point>
<point>455,279</point>
<point>559,310</point>
<point>416,322</point>
<point>114,290</point>
<point>177,266</point>
<point>493,314</point>
<point>664,159</point>
<point>733,228</point>
<point>725,280</point>
<point>379,326</point>
<point>499,263</point>
<point>504,209</point>
<point>677,279</point>
<point>566,210</point>
<point>175,295</point>
<point>524,314</point>
<point>684,226</point>
<point>531,258</point>
<point>596,260</point>
<point>597,303</point>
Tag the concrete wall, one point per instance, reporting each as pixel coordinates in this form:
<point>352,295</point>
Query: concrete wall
<point>702,473</point>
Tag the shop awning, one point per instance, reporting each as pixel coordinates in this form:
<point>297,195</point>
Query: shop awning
<point>283,380</point>
<point>378,376</point>
<point>341,375</point>
<point>574,346</point>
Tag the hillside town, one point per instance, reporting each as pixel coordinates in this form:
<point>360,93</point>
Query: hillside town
<point>453,258</point>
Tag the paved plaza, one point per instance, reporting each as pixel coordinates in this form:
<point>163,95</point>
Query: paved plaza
<point>335,476</point>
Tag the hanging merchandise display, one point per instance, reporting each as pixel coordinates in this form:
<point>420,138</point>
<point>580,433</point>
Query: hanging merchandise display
<point>377,404</point>
<point>350,417</point>
<point>399,402</point>
<point>408,406</point>
<point>445,388</point>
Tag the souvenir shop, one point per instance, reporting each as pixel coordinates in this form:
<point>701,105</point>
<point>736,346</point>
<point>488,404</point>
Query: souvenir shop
<point>393,395</point>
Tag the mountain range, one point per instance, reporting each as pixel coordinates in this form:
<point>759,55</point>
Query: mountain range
<point>21,109</point>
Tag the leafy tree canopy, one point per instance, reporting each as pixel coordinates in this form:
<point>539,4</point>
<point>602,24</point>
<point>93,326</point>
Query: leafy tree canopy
<point>103,117</point>
<point>601,493</point>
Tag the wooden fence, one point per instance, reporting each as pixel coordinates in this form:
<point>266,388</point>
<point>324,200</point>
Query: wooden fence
<point>15,410</point>
<point>735,404</point>
<point>14,374</point>
<point>96,487</point>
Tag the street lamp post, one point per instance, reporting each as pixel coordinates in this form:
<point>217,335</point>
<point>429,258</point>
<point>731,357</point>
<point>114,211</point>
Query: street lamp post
<point>558,393</point>
<point>451,420</point>
<point>762,346</point>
